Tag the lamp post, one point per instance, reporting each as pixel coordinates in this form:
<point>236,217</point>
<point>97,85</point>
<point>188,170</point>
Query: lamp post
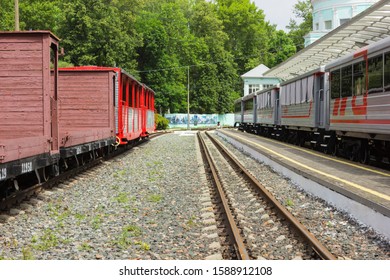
<point>188,98</point>
<point>16,15</point>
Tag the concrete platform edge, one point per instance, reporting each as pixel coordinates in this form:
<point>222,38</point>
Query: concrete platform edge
<point>355,208</point>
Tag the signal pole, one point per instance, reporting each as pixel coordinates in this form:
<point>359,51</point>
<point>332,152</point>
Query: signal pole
<point>188,98</point>
<point>16,15</point>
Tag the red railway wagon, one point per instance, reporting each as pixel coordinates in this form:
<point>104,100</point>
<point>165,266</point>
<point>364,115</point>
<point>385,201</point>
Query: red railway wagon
<point>133,102</point>
<point>134,108</point>
<point>28,104</point>
<point>86,111</point>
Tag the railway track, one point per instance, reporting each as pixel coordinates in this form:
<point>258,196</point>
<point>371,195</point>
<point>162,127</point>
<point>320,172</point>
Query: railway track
<point>255,225</point>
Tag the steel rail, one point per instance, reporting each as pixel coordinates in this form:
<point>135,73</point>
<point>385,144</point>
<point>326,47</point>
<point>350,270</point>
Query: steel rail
<point>316,245</point>
<point>239,243</point>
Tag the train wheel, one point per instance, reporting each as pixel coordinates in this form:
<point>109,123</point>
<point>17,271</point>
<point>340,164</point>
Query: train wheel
<point>44,174</point>
<point>365,154</point>
<point>335,151</point>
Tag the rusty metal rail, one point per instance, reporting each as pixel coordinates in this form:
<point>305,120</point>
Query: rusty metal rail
<point>239,245</point>
<point>316,245</point>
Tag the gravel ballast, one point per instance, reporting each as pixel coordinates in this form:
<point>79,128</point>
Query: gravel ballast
<point>153,203</point>
<point>145,204</point>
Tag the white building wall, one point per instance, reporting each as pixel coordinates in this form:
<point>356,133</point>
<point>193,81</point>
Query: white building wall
<point>334,12</point>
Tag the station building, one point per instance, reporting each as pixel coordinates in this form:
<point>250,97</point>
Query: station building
<point>330,14</point>
<point>254,80</point>
<point>327,15</point>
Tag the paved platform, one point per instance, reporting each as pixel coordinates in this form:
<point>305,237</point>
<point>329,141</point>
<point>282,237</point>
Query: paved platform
<point>363,191</point>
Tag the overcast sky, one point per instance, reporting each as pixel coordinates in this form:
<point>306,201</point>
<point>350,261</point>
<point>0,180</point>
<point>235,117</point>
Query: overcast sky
<point>277,12</point>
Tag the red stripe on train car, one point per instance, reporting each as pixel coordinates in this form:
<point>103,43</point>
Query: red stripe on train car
<point>301,116</point>
<point>362,121</point>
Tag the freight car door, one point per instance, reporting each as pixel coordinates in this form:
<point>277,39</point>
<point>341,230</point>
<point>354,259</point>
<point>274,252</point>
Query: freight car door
<point>54,99</point>
<point>321,94</point>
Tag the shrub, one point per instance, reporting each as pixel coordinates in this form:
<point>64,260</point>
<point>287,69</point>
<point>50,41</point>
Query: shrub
<point>161,122</point>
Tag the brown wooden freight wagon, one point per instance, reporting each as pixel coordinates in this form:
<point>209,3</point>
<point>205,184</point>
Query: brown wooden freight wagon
<point>28,103</point>
<point>86,111</point>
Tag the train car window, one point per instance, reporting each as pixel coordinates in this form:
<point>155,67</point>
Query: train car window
<point>387,72</point>
<point>248,104</point>
<point>346,81</point>
<point>259,101</point>
<point>335,84</point>
<point>269,104</point>
<point>237,107</point>
<point>298,91</point>
<point>123,90</point>
<point>375,74</point>
<point>310,88</point>
<point>124,95</point>
<point>359,78</point>
<point>131,94</point>
<point>304,91</point>
<point>114,89</point>
<point>293,93</point>
<point>136,93</point>
<point>283,95</point>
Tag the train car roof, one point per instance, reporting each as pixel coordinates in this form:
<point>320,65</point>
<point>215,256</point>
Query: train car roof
<point>149,88</point>
<point>99,68</point>
<point>87,68</point>
<point>249,96</point>
<point>367,50</point>
<point>310,73</point>
<point>238,100</point>
<point>30,32</point>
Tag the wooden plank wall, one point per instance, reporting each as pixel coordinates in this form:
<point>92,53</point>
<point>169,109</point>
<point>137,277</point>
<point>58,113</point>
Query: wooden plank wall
<point>21,87</point>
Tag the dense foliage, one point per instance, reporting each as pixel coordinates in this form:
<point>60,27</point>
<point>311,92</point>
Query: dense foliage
<point>167,44</point>
<point>304,10</point>
<point>161,122</point>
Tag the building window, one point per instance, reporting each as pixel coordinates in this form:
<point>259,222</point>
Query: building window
<point>253,88</point>
<point>328,24</point>
<point>317,26</point>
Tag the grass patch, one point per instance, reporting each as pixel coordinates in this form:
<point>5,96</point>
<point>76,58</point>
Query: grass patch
<point>289,202</point>
<point>96,222</point>
<point>143,245</point>
<point>84,247</point>
<point>27,254</point>
<point>155,198</point>
<point>120,173</point>
<point>48,240</point>
<point>128,232</point>
<point>122,198</point>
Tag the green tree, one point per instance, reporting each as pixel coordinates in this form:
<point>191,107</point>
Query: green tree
<point>215,75</point>
<point>40,15</point>
<point>247,30</point>
<point>304,10</point>
<point>168,46</point>
<point>93,34</point>
<point>281,47</point>
<point>7,20</point>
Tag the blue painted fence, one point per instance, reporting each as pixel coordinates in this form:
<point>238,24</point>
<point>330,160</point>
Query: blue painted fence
<point>199,120</point>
